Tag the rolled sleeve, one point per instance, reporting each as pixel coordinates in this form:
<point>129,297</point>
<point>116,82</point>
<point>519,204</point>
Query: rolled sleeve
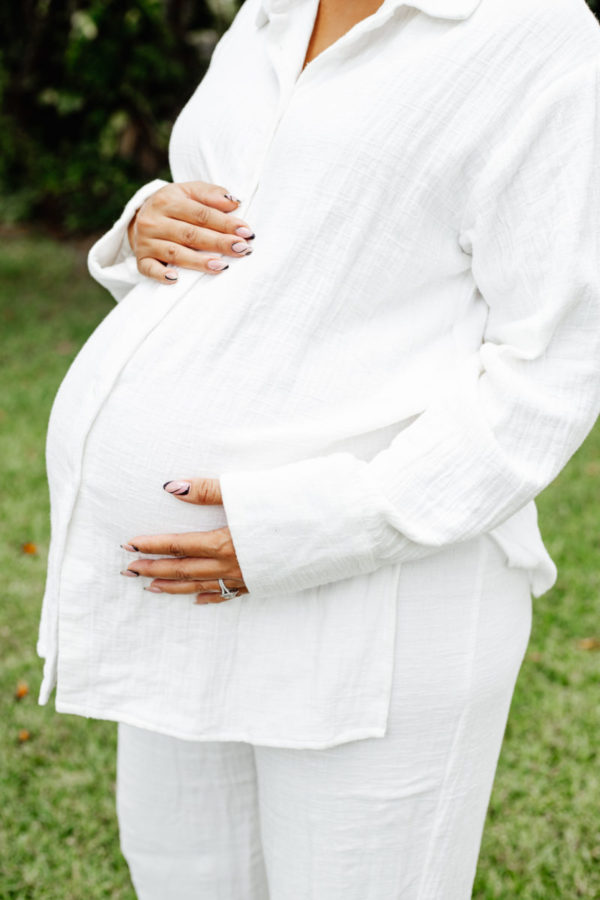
<point>500,429</point>
<point>111,261</point>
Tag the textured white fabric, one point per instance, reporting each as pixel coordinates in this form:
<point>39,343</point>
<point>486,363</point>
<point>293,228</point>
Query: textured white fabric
<point>392,818</point>
<point>409,356</point>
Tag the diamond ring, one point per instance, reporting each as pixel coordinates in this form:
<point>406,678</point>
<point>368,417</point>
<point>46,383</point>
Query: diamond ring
<point>225,592</point>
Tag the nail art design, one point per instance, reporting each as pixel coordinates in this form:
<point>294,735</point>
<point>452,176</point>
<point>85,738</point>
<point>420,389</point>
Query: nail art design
<point>171,276</point>
<point>245,232</point>
<point>231,198</point>
<point>177,487</point>
<point>131,548</point>
<point>129,573</point>
<point>239,246</point>
<point>217,265</point>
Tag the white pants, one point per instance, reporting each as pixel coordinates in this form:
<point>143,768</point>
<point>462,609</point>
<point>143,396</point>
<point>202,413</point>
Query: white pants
<point>392,818</point>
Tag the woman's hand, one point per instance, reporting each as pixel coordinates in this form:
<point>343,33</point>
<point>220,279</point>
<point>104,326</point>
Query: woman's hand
<point>187,224</point>
<point>201,557</point>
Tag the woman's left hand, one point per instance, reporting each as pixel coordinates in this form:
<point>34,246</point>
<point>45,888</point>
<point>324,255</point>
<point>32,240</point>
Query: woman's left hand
<point>195,560</point>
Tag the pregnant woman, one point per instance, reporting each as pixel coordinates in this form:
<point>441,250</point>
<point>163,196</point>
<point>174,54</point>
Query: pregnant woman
<point>333,443</point>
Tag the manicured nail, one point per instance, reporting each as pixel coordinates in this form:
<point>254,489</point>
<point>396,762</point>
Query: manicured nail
<point>171,275</point>
<point>217,264</point>
<point>239,246</point>
<point>153,589</point>
<point>231,198</point>
<point>248,253</point>
<point>177,487</point>
<point>245,232</point>
<point>129,573</point>
<point>130,548</point>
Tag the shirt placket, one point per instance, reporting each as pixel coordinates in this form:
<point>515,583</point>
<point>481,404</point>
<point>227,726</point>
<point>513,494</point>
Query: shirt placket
<point>288,32</point>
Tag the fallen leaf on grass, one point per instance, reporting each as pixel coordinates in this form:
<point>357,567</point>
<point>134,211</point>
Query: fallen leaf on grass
<point>589,643</point>
<point>24,735</point>
<point>30,548</point>
<point>22,690</point>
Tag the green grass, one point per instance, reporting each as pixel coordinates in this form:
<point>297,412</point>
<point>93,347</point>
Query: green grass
<point>58,838</point>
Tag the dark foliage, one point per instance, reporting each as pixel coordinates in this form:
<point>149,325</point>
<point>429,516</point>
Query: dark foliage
<point>89,91</point>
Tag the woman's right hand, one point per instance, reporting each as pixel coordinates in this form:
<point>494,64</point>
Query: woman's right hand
<point>187,224</point>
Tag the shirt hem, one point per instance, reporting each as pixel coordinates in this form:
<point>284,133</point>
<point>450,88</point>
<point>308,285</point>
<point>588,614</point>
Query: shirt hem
<point>108,715</point>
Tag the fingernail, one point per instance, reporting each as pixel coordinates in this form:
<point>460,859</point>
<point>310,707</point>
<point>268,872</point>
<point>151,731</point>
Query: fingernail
<point>177,487</point>
<point>153,589</point>
<point>248,253</point>
<point>217,264</point>
<point>201,602</point>
<point>129,573</point>
<point>239,246</point>
<point>130,548</point>
<point>170,275</point>
<point>245,232</point>
<point>231,198</point>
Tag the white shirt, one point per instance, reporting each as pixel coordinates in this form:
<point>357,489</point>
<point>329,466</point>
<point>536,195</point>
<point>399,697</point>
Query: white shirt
<point>410,355</point>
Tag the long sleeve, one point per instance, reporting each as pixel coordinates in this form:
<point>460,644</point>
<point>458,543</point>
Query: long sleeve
<point>110,260</point>
<point>500,430</point>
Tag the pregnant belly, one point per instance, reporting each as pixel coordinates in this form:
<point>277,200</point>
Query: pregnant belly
<point>167,389</point>
<point>136,410</point>
<point>150,424</point>
<point>131,450</point>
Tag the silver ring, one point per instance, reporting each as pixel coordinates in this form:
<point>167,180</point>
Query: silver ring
<point>225,592</point>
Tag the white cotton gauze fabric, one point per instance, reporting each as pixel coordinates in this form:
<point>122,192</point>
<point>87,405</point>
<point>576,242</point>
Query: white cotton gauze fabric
<point>410,355</point>
<point>398,817</point>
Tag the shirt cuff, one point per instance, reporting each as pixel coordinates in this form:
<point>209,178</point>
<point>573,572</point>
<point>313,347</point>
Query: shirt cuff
<point>304,524</point>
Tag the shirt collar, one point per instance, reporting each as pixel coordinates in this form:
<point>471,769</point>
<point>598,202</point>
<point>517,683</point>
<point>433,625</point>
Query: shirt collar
<point>439,9</point>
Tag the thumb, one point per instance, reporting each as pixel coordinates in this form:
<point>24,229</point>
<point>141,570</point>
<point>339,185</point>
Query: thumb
<point>206,491</point>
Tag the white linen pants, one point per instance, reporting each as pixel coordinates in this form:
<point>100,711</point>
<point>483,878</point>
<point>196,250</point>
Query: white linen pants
<point>398,817</point>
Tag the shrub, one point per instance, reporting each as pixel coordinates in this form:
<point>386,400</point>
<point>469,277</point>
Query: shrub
<point>89,92</point>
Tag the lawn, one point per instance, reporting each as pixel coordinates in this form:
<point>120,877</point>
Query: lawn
<point>58,837</point>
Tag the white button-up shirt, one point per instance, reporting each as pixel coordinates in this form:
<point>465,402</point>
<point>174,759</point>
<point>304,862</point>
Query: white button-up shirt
<point>410,355</point>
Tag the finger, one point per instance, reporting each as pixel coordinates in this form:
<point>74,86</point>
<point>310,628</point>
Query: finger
<point>177,241</point>
<point>152,268</point>
<point>186,259</point>
<point>203,599</point>
<point>199,214</point>
<point>203,491</point>
<point>203,236</point>
<point>212,194</point>
<point>166,586</point>
<point>212,597</point>
<point>188,543</point>
<point>182,569</point>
